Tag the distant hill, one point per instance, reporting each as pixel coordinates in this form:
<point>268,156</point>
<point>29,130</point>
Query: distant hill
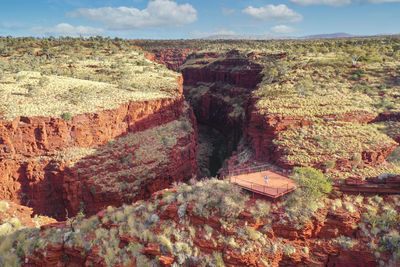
<point>329,36</point>
<point>246,37</point>
<point>276,37</point>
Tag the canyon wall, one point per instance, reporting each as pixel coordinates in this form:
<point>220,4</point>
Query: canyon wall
<point>150,175</point>
<point>260,130</point>
<point>219,87</point>
<point>316,243</point>
<point>171,58</point>
<point>36,157</point>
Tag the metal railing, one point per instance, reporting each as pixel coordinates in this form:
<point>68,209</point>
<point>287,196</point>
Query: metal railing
<point>273,191</point>
<point>249,170</point>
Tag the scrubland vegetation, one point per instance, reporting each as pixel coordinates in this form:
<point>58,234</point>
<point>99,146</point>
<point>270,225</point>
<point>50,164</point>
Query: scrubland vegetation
<point>333,88</point>
<point>217,203</point>
<point>102,234</point>
<point>330,86</point>
<point>62,78</point>
<point>331,92</point>
<point>126,162</point>
<point>308,197</point>
<point>330,141</point>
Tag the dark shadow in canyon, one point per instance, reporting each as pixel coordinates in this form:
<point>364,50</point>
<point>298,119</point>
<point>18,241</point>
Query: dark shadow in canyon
<point>212,150</point>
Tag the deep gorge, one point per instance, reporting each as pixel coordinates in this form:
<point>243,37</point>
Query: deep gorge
<point>221,113</point>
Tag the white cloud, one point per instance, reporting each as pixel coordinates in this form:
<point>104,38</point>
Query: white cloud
<point>280,13</point>
<point>339,2</point>
<point>322,2</point>
<point>65,29</point>
<point>282,29</point>
<point>158,13</point>
<point>227,11</point>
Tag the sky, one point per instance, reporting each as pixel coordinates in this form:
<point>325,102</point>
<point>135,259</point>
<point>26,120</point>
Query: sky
<point>188,19</point>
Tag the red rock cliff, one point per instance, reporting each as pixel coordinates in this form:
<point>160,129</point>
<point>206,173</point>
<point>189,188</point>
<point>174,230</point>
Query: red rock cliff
<point>179,166</point>
<point>171,58</point>
<point>260,130</point>
<point>235,69</point>
<point>218,88</point>
<point>31,172</point>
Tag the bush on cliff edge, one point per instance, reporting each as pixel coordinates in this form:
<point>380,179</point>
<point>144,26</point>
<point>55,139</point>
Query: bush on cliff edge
<point>312,182</point>
<point>302,204</point>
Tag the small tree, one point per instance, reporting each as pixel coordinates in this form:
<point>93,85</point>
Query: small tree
<point>312,182</point>
<point>302,203</point>
<point>66,116</point>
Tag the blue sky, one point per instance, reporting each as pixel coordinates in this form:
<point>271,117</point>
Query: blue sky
<point>170,19</point>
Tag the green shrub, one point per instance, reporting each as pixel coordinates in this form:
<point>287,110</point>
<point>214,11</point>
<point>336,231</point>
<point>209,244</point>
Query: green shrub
<point>312,182</point>
<point>218,259</point>
<point>288,250</point>
<point>66,116</point>
<point>381,221</point>
<point>345,242</point>
<point>4,206</point>
<point>329,164</point>
<point>390,241</point>
<point>261,209</point>
<point>349,207</point>
<point>301,204</point>
<point>337,203</point>
<point>165,242</point>
<point>356,158</point>
<point>252,233</point>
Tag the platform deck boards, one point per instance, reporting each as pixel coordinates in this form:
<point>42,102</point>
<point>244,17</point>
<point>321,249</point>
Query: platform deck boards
<point>277,186</point>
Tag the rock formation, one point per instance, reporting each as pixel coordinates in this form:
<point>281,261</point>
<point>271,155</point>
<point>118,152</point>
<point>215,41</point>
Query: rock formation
<point>35,163</point>
<point>171,58</point>
<point>315,243</point>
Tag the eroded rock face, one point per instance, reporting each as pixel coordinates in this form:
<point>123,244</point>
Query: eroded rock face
<point>290,242</point>
<point>35,171</point>
<point>11,211</point>
<point>171,58</point>
<point>388,116</point>
<point>218,87</point>
<point>180,165</point>
<point>339,222</point>
<point>235,69</point>
<point>352,258</point>
<point>35,136</point>
<point>260,131</point>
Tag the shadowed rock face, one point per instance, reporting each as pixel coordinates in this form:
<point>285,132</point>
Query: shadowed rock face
<point>32,173</point>
<point>224,103</point>
<point>219,88</point>
<point>233,70</point>
<point>171,58</point>
<point>179,166</point>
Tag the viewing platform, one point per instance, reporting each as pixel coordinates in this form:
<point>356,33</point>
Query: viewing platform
<point>253,179</point>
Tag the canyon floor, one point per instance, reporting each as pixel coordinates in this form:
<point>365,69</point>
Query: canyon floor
<point>118,153</point>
